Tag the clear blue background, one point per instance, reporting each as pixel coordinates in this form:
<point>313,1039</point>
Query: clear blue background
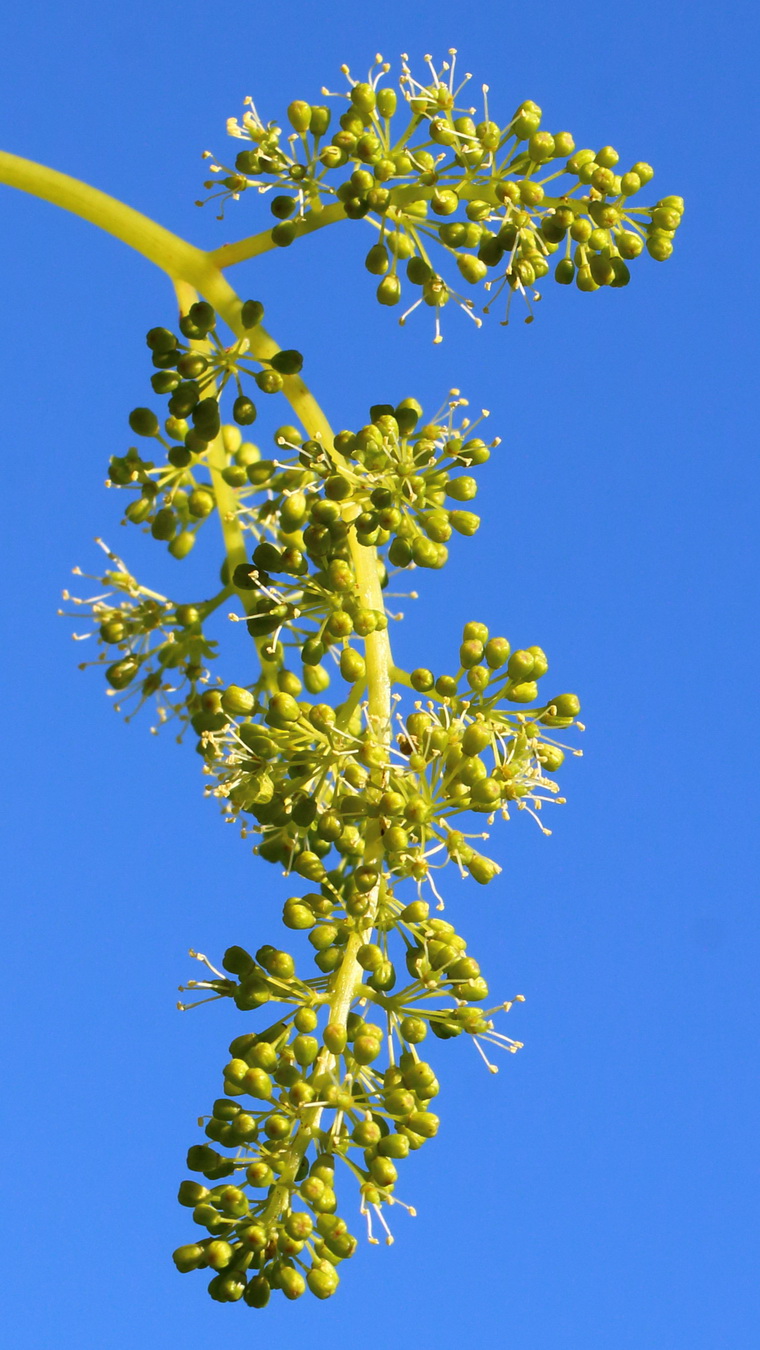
<point>603,1190</point>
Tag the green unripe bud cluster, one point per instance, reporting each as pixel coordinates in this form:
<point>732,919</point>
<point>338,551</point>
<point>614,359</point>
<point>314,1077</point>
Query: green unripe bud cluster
<point>480,190</point>
<point>363,799</point>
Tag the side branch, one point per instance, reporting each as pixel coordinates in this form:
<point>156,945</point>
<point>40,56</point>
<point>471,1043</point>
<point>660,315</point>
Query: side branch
<point>256,244</point>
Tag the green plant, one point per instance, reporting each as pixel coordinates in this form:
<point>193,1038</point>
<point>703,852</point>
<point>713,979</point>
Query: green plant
<point>361,813</point>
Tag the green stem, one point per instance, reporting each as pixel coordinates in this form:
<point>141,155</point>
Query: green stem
<point>256,244</point>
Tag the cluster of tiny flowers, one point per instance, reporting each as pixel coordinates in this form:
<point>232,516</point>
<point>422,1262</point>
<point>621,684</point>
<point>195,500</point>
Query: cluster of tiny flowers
<point>498,199</point>
<point>306,1098</point>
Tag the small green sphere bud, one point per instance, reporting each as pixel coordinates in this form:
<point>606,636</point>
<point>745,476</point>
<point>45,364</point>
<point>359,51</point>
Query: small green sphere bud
<point>352,665</point>
<point>218,1254</point>
<point>377,260</point>
<point>386,102</point>
<point>305,1049</point>
<point>621,273</point>
<point>143,422</point>
<point>389,290</point>
<point>257,1084</point>
<point>284,708</point>
<point>238,702</point>
<point>476,738</point>
<point>526,120</point>
<point>292,1283</point>
<point>566,705</point>
<point>564,272</point>
<point>424,1123</point>
<point>541,147</point>
<point>189,1257</point>
<point>413,1030</point>
<point>471,268</point>
<point>323,1279</point>
<point>422,680</point>
<point>251,313</point>
<point>444,202</point>
<point>181,544</point>
<point>201,503</point>
<point>299,115</point>
<point>630,245</point>
<point>161,340</point>
<point>287,362</point>
<point>607,157</point>
<point>464,522</point>
<point>563,144</point>
<point>497,652</point>
<point>284,233</point>
<point>461,489</point>
<point>257,1292</point>
<point>585,281</point>
<point>382,1171</point>
<point>630,183</point>
<point>335,1038</point>
<point>659,248</point>
<point>480,868</point>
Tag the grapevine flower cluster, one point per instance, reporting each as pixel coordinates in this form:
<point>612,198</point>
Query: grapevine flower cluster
<point>363,799</point>
<point>495,199</point>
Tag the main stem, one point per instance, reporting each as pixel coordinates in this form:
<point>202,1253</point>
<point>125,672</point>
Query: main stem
<point>193,270</point>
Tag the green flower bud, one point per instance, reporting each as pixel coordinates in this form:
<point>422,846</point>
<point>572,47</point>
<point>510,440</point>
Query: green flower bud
<point>238,702</point>
<point>323,1279</point>
<point>480,868</point>
<point>383,1172</point>
<point>526,120</point>
<point>201,503</point>
<point>389,290</point>
<point>603,180</point>
<point>122,673</point>
<point>422,680</point>
<point>602,270</point>
<point>305,1049</point>
<point>164,524</point>
<point>461,489</point>
<point>257,1292</point>
<point>377,260</point>
<point>143,422</point>
<point>393,1146</point>
<point>251,313</point>
<point>424,1123</point>
<point>584,280</point>
<point>464,522</point>
<point>444,202</point>
<point>471,268</point>
<point>621,273</point>
<point>288,362</point>
<point>218,1254</point>
<point>470,654</point>
<point>189,1257</point>
<point>260,1175</point>
<point>524,692</point>
<point>299,115</point>
<point>257,1084</point>
<point>629,245</point>
<point>291,1282</point>
<point>658,248</point>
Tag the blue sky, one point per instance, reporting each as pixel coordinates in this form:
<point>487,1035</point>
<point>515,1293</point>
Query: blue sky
<point>602,1191</point>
